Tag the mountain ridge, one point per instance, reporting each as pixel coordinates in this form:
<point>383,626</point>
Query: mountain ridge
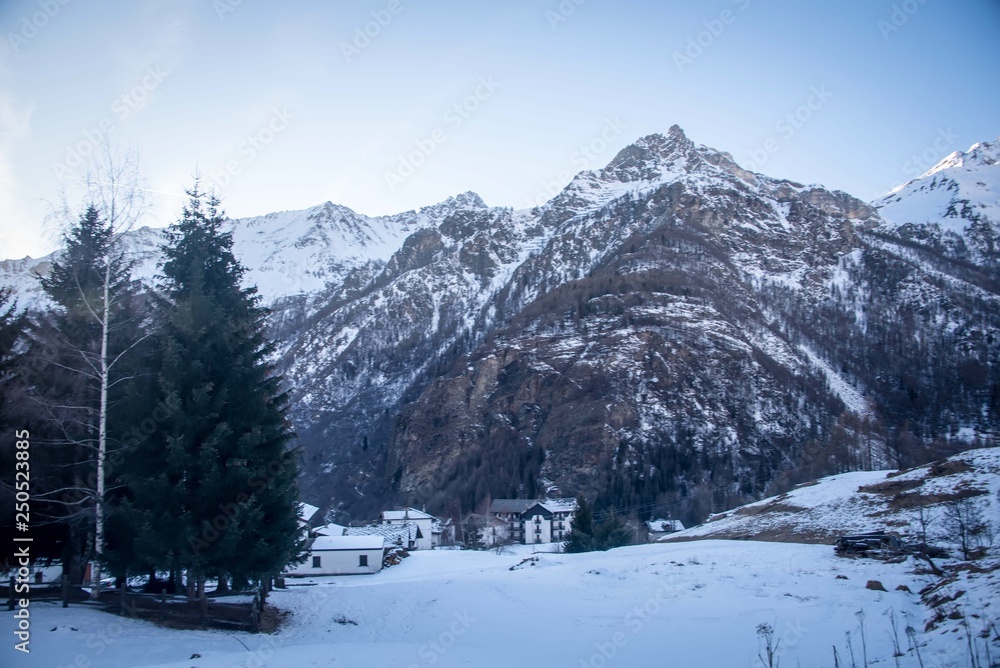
<point>663,323</point>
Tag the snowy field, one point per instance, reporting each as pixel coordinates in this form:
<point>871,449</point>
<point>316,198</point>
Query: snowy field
<point>677,604</point>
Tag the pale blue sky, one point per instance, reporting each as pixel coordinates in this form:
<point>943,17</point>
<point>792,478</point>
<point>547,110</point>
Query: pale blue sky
<point>188,82</point>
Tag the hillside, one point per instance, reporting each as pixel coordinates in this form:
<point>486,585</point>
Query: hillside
<point>821,511</point>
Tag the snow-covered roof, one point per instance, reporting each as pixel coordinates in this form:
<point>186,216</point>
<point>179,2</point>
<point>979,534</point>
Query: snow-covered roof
<point>394,534</point>
<point>662,526</point>
<point>520,505</point>
<point>306,512</point>
<point>510,505</point>
<point>405,514</point>
<point>330,530</point>
<point>560,505</point>
<point>335,543</point>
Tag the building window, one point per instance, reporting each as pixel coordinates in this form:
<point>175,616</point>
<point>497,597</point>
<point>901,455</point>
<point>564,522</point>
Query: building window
<point>316,562</point>
<point>362,560</point>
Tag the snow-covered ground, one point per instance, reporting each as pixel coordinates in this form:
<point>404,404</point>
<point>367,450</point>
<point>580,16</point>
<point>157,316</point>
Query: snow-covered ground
<point>679,604</point>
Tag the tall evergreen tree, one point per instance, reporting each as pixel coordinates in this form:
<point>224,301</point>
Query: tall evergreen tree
<point>611,533</point>
<point>214,491</point>
<point>581,536</point>
<point>77,376</point>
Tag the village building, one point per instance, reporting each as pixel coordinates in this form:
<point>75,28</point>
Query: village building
<point>306,513</point>
<point>657,529</point>
<point>342,555</point>
<point>531,521</point>
<point>442,532</point>
<point>403,536</point>
<point>422,522</point>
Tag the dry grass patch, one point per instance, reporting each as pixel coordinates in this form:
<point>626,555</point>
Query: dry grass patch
<point>891,486</point>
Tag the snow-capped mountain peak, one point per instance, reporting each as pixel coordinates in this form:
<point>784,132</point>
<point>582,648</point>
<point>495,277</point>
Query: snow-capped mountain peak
<point>954,206</point>
<point>981,154</point>
<point>651,157</point>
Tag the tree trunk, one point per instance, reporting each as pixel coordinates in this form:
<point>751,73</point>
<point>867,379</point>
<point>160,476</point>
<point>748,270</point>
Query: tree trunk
<point>102,433</point>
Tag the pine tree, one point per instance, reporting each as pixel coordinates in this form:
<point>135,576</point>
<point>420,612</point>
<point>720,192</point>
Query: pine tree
<point>581,536</point>
<point>214,491</point>
<point>611,533</point>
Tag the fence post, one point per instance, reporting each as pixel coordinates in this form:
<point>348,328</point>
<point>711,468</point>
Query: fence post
<point>121,604</point>
<point>10,597</point>
<point>65,590</point>
<point>163,603</point>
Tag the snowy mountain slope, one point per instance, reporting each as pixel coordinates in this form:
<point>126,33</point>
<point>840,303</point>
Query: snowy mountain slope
<point>865,501</point>
<point>688,604</point>
<point>286,254</point>
<point>954,206</point>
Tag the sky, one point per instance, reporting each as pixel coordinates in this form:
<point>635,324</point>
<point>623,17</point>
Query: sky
<point>389,105</point>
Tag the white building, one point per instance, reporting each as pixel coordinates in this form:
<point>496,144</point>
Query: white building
<point>342,555</point>
<point>535,520</point>
<point>423,523</point>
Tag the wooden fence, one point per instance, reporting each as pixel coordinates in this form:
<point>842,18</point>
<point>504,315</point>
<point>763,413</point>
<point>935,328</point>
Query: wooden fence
<point>206,612</point>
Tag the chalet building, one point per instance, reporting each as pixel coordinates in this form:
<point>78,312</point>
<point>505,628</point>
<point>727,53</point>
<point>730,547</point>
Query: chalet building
<point>657,529</point>
<point>534,520</point>
<point>342,555</point>
<point>430,531</point>
<point>422,523</point>
<point>394,535</point>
